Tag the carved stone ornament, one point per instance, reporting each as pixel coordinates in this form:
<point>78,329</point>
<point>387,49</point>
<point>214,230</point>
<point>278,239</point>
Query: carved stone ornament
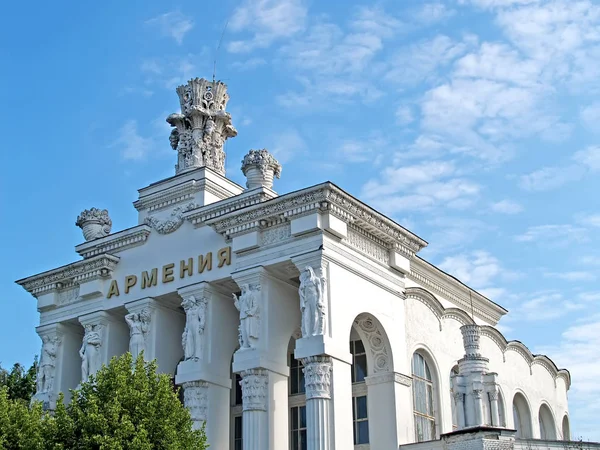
<point>202,127</point>
<point>94,223</point>
<point>192,339</point>
<point>313,304</point>
<point>139,325</point>
<point>91,359</point>
<point>195,398</point>
<point>47,365</point>
<point>259,168</point>
<point>317,376</point>
<point>172,222</point>
<point>471,337</point>
<point>377,344</point>
<point>248,304</point>
<point>254,389</point>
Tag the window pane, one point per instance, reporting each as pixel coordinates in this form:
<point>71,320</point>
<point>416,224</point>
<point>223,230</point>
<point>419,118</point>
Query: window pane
<point>293,380</point>
<point>358,347</point>
<point>301,386</point>
<point>363,432</point>
<point>303,417</point>
<point>238,427</point>
<point>361,407</point>
<point>303,440</point>
<point>360,363</point>
<point>429,400</point>
<point>295,440</point>
<point>294,418</point>
<point>238,389</point>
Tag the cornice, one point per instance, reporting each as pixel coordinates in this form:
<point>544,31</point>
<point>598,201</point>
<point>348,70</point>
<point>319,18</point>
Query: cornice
<point>443,284</point>
<point>116,242</point>
<point>75,273</point>
<point>322,197</point>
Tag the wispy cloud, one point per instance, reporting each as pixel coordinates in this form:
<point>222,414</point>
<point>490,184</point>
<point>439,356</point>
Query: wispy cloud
<point>553,235</point>
<point>131,144</point>
<point>506,207</point>
<point>173,24</point>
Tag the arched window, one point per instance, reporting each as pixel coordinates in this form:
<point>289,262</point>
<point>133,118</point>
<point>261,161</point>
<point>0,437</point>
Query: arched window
<point>547,428</point>
<point>423,399</point>
<point>360,416</point>
<point>566,429</point>
<point>501,412</point>
<point>521,416</point>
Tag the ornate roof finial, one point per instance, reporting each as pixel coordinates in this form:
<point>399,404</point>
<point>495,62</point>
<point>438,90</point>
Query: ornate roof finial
<point>259,167</point>
<point>202,127</point>
<point>95,223</point>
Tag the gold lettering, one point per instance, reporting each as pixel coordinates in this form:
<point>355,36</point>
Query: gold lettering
<point>205,263</point>
<point>130,281</point>
<point>149,280</point>
<point>183,267</point>
<point>224,256</point>
<point>113,290</point>
<point>167,273</point>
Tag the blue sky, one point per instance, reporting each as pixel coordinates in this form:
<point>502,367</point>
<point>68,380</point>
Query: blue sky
<point>474,123</point>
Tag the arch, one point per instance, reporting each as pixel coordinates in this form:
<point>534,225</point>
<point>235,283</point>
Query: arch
<point>531,359</point>
<point>501,408</point>
<point>522,416</point>
<point>376,342</point>
<point>431,301</point>
<point>546,422</point>
<point>566,429</point>
<point>425,398</point>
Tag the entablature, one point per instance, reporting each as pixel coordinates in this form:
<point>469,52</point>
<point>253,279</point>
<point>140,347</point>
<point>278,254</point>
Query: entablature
<point>116,242</point>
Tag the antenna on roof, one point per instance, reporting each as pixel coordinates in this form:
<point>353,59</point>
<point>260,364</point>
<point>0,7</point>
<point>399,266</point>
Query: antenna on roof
<point>219,46</point>
<point>472,310</point>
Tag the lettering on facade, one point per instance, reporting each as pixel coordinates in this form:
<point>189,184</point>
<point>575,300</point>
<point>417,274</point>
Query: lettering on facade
<point>168,272</point>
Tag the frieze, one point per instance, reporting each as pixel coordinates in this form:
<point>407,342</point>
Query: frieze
<point>358,240</point>
<point>275,235</point>
<point>68,295</point>
<point>80,271</point>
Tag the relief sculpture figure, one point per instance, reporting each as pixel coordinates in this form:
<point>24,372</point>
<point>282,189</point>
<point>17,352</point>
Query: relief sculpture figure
<point>45,375</point>
<point>139,324</point>
<point>90,352</point>
<point>192,339</point>
<point>248,306</point>
<point>312,303</point>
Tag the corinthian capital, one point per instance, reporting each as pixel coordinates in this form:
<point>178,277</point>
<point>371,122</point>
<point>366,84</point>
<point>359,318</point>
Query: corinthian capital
<point>254,389</point>
<point>317,376</point>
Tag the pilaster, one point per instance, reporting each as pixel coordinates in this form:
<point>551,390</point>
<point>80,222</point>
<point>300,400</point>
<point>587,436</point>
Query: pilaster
<point>255,386</point>
<point>319,417</point>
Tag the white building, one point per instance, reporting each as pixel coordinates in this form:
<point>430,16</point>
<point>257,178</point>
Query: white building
<point>293,321</point>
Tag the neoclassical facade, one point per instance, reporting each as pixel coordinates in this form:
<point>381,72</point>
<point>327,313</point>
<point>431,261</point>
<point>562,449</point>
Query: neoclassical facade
<point>290,321</point>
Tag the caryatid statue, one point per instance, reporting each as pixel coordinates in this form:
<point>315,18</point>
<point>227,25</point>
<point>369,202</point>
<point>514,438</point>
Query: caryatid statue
<point>192,339</point>
<point>45,375</point>
<point>90,351</point>
<point>312,303</point>
<point>248,306</point>
<point>139,324</point>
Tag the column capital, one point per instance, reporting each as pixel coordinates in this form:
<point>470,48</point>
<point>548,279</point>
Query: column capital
<point>254,275</point>
<point>195,398</point>
<point>97,318</point>
<point>317,375</point>
<point>317,260</point>
<point>254,389</point>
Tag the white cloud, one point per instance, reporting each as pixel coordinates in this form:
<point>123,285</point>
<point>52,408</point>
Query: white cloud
<point>286,144</point>
<point>590,116</point>
<point>132,145</point>
<point>589,220</point>
<point>572,276</point>
<point>173,24</point>
<point>590,260</point>
<point>506,207</point>
<point>434,12</point>
<point>248,64</point>
<point>589,158</point>
<point>546,305</point>
<point>553,235</point>
<point>404,115</point>
<point>266,21</point>
<point>549,178</point>
<point>478,269</point>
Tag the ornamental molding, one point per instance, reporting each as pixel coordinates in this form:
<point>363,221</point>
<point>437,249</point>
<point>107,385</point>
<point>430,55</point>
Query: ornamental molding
<point>449,287</point>
<point>325,197</point>
<point>276,234</point>
<point>68,295</point>
<point>367,244</point>
<point>172,222</point>
<point>389,377</point>
<point>116,242</point>
<point>317,376</point>
<point>254,389</point>
<point>184,192</point>
<point>75,273</point>
<point>375,341</point>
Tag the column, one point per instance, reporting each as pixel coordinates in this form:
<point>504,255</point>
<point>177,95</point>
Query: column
<point>255,417</point>
<point>477,406</point>
<point>205,339</point>
<point>105,336</point>
<point>389,398</point>
<point>459,403</point>
<point>317,376</point>
<point>495,412</point>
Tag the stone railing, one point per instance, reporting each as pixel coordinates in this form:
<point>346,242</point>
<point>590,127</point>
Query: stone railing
<point>540,444</point>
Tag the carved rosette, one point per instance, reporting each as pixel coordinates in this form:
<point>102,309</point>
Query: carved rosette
<point>260,167</point>
<point>202,127</point>
<point>317,376</point>
<point>376,341</point>
<point>195,398</point>
<point>94,223</point>
<point>471,336</point>
<point>254,389</point>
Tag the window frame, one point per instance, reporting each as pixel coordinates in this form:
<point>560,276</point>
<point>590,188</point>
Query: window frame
<point>430,390</point>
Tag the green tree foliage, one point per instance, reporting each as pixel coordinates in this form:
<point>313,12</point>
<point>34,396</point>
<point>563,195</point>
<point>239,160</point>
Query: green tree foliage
<point>20,383</point>
<point>119,408</point>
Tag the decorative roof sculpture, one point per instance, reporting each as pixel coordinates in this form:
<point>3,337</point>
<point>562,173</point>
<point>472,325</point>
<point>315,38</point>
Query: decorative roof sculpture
<point>202,127</point>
